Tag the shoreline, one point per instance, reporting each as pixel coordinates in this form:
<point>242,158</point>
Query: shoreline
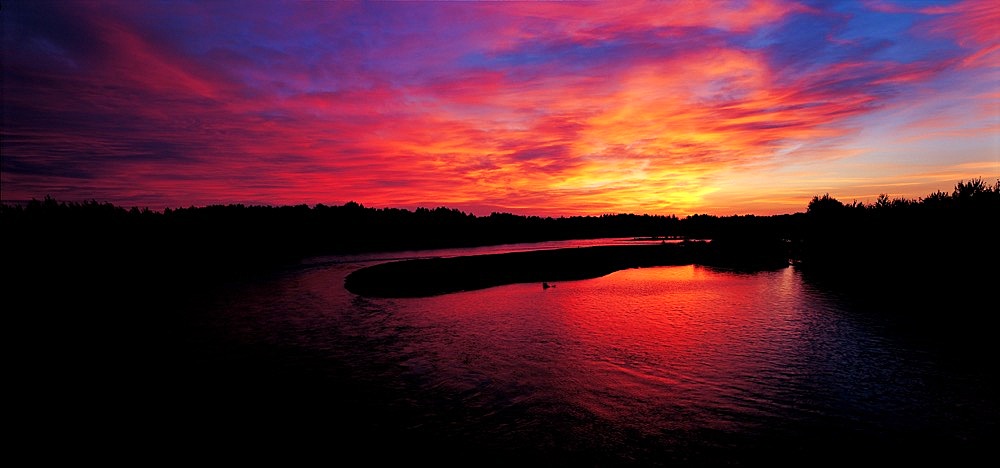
<point>435,276</point>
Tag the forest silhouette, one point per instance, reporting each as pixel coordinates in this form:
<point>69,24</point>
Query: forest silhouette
<point>946,235</point>
<point>936,253</point>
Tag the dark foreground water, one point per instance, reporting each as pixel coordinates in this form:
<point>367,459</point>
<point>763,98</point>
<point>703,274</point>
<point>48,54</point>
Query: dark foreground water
<point>656,366</point>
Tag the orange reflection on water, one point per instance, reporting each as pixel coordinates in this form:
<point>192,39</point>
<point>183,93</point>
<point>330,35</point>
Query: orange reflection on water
<point>654,349</point>
<point>676,339</point>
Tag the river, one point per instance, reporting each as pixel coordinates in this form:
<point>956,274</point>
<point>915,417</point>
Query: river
<point>656,366</point>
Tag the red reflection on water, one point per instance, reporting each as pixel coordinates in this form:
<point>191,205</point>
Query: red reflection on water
<point>674,338</point>
<point>656,348</point>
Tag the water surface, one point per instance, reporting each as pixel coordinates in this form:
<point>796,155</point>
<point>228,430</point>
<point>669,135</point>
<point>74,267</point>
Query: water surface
<point>681,364</point>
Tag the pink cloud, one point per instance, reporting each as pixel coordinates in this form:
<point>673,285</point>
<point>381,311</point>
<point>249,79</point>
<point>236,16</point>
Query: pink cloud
<point>555,108</point>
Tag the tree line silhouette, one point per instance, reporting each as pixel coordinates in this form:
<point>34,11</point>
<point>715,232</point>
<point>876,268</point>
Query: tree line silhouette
<point>940,251</point>
<point>52,238</point>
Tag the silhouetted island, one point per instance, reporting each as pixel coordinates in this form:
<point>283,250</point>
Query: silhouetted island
<point>431,276</point>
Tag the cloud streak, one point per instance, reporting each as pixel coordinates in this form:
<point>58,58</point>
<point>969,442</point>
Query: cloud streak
<point>540,108</point>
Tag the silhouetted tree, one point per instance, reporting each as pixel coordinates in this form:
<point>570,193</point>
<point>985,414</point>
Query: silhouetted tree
<point>883,202</point>
<point>824,204</point>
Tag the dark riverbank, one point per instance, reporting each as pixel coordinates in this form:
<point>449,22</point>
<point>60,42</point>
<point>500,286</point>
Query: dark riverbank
<point>428,277</point>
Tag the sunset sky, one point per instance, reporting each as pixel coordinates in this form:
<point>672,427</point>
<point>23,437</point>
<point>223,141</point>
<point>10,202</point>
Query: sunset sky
<point>532,108</point>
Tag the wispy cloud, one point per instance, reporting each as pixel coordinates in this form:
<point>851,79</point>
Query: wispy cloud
<point>546,108</point>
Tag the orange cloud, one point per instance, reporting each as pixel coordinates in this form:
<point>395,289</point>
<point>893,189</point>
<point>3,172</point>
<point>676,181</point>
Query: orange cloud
<point>547,108</point>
